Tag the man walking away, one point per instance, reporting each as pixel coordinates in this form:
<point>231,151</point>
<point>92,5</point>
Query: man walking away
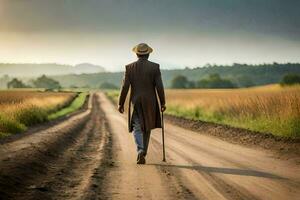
<point>144,79</point>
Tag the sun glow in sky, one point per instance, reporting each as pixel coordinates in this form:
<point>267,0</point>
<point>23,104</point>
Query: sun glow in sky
<point>182,33</point>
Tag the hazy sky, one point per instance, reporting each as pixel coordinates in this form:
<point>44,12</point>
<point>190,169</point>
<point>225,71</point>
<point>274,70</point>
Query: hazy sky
<point>182,32</point>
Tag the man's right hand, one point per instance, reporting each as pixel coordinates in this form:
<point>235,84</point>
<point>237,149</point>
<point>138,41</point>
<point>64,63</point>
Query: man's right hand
<point>163,108</point>
<point>121,109</point>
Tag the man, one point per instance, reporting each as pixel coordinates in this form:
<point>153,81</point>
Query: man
<point>144,79</point>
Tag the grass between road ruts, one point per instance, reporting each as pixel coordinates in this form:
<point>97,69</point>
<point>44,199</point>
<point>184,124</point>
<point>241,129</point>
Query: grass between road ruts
<point>75,105</point>
<point>20,109</point>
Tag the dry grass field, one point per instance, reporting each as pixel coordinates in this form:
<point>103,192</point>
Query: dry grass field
<point>272,108</point>
<point>19,109</point>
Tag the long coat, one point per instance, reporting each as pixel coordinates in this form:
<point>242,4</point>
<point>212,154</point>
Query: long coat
<point>144,80</point>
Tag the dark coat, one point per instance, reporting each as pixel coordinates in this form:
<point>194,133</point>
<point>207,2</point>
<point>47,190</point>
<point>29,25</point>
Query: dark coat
<point>144,79</point>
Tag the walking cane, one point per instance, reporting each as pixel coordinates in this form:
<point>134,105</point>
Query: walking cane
<point>163,136</point>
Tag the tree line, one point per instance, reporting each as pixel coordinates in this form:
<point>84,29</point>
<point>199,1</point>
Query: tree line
<point>216,81</point>
<point>240,75</point>
<point>213,81</point>
<point>41,82</point>
<point>49,83</point>
<point>178,82</point>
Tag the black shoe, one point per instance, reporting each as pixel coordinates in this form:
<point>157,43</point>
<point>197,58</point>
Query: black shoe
<point>141,158</point>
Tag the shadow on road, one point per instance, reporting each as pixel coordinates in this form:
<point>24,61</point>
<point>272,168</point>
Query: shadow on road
<point>232,171</point>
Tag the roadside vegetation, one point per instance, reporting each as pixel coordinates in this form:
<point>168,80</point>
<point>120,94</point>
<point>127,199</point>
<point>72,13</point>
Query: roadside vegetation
<point>272,109</point>
<point>20,109</point>
<point>112,95</point>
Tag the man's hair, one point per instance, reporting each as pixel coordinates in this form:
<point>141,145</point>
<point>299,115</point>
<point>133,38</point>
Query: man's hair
<point>142,56</point>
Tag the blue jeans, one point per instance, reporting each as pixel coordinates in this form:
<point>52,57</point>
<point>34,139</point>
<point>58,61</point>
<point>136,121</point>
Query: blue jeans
<point>141,140</point>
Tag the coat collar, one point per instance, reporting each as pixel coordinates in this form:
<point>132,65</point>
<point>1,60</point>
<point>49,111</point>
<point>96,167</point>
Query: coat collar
<point>142,59</point>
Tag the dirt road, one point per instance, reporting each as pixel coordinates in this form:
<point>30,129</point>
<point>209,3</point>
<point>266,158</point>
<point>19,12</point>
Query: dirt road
<point>92,156</point>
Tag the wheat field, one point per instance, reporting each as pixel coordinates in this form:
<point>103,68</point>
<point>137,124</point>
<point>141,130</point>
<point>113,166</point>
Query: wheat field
<point>21,108</point>
<point>272,108</point>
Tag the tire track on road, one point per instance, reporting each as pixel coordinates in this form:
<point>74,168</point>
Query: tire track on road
<point>61,162</point>
<point>127,180</point>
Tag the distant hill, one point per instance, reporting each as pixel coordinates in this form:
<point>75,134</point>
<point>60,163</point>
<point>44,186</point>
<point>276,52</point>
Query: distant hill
<point>242,75</point>
<point>87,68</point>
<point>50,69</point>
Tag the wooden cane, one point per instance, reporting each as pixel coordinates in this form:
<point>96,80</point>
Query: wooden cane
<point>163,136</point>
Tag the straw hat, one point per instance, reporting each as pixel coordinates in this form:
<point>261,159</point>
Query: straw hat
<point>142,49</point>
